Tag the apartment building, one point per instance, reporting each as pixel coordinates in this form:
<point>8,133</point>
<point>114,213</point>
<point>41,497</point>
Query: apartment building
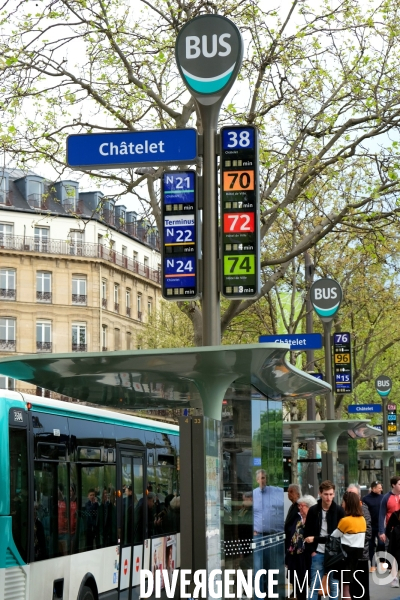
<point>78,273</point>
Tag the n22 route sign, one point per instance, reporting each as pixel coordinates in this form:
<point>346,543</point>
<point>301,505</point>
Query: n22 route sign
<point>132,148</point>
<point>240,212</point>
<point>179,235</point>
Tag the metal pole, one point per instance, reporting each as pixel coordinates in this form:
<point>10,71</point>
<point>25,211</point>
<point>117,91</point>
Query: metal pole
<point>385,467</point>
<point>210,303</point>
<point>330,408</point>
<point>312,470</point>
<point>309,274</point>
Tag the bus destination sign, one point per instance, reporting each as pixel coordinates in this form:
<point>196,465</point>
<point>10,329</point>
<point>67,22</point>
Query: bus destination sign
<point>240,212</point>
<point>342,363</point>
<point>179,213</point>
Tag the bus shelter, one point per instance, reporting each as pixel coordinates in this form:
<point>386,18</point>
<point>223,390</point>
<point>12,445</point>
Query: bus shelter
<point>339,461</point>
<point>372,462</point>
<point>239,391</point>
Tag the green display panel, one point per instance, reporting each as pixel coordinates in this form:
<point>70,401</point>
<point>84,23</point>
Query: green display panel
<point>240,237</point>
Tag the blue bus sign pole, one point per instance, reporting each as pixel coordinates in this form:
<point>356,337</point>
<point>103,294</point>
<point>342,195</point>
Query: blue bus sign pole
<point>383,385</point>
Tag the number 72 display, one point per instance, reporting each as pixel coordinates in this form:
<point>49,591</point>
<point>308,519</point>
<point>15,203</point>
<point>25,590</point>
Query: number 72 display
<point>240,246</point>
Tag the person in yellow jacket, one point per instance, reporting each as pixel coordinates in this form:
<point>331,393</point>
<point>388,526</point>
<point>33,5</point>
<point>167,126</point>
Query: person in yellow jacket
<point>351,530</point>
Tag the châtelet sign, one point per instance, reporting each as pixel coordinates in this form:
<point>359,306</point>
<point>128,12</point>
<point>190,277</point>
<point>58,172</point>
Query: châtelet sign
<point>209,52</point>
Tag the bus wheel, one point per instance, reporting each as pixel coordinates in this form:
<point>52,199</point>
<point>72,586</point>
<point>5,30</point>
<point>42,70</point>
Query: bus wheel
<point>86,593</point>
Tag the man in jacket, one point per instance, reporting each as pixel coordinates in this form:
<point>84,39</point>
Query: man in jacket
<point>390,504</point>
<point>359,588</point>
<point>322,519</point>
<point>373,500</point>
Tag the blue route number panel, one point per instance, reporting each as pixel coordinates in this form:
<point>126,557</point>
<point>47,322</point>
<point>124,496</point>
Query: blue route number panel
<point>179,235</point>
<point>343,379</point>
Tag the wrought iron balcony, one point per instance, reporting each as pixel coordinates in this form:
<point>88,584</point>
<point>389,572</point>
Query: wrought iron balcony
<point>36,201</point>
<point>62,247</point>
<point>7,294</point>
<point>43,296</point>
<point>79,347</point>
<point>116,306</point>
<point>139,315</point>
<point>128,311</point>
<point>8,345</point>
<point>104,348</point>
<point>104,303</point>
<point>43,346</point>
<point>79,298</point>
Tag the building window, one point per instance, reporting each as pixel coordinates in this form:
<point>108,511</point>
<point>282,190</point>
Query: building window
<point>7,383</point>
<point>146,266</point>
<point>43,286</point>
<point>128,340</point>
<point>104,338</point>
<point>4,187</point>
<point>79,337</point>
<point>7,335</point>
<point>41,239</point>
<point>139,307</point>
<point>149,306</point>
<point>76,242</point>
<point>35,191</point>
<point>135,256</point>
<point>43,336</point>
<point>79,289</point>
<point>128,302</point>
<point>6,234</point>
<point>7,284</point>
<point>116,297</point>
<point>124,250</point>
<point>70,198</point>
<point>104,293</point>
<point>117,339</point>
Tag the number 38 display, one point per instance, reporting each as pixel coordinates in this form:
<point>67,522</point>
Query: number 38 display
<point>240,212</point>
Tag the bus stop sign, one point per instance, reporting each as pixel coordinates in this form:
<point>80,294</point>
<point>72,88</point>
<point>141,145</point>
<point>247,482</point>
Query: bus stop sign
<point>209,51</point>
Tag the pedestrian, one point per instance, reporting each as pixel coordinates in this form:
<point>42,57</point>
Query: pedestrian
<point>392,533</point>
<point>359,588</point>
<point>373,500</point>
<point>292,516</point>
<point>297,560</point>
<point>351,531</point>
<point>321,520</point>
<point>268,520</point>
<point>390,504</point>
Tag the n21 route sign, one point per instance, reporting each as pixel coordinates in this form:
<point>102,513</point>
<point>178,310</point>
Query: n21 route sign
<point>179,235</point>
<point>132,148</point>
<point>240,212</point>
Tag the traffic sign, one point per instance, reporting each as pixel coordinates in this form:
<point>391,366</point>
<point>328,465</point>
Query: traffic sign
<point>383,385</point>
<point>342,363</point>
<point>132,148</point>
<point>391,420</point>
<point>326,296</point>
<point>179,213</point>
<point>240,212</point>
<point>297,341</point>
<point>364,408</point>
<point>209,52</point>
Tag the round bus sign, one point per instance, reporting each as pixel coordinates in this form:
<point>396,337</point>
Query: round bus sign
<point>209,52</point>
<point>383,385</point>
<point>326,296</point>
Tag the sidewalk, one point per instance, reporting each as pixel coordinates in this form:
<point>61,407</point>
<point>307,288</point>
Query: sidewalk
<point>382,592</point>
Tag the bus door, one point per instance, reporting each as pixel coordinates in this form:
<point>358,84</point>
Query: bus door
<point>131,519</point>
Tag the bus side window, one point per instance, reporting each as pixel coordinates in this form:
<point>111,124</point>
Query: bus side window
<point>19,489</point>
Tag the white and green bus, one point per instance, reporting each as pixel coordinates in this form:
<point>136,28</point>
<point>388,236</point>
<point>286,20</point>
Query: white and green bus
<point>87,497</point>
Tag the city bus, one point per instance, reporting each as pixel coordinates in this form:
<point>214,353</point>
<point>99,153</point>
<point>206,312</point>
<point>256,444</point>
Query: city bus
<point>88,498</point>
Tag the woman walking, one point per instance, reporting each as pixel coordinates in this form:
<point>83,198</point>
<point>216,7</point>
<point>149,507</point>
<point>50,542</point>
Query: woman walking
<point>351,530</point>
<point>296,560</point>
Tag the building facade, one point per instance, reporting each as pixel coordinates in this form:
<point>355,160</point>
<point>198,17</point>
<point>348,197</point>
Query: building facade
<point>77,272</point>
